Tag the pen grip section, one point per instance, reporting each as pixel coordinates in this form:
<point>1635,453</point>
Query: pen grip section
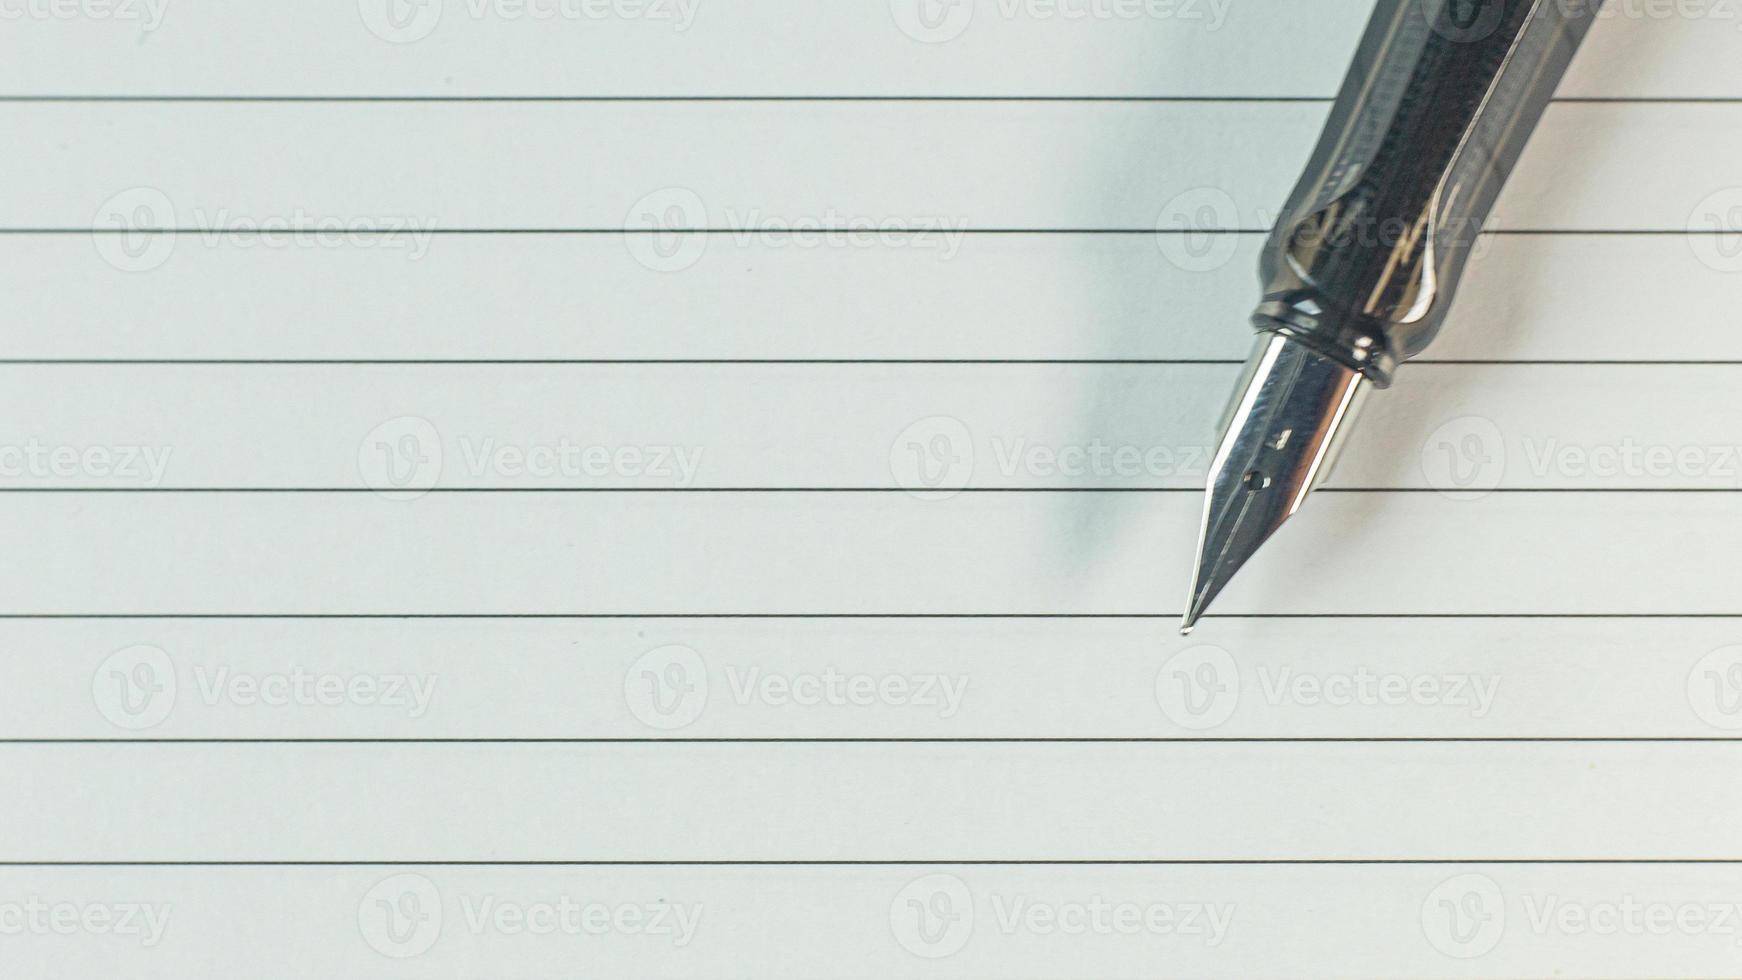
<point>1434,114</point>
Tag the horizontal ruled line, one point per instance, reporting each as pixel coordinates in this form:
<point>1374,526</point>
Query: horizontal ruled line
<point>800,362</point>
<point>771,491</point>
<point>463,99</point>
<point>1507,232</point>
<point>968,740</point>
<point>942,98</point>
<point>1170,617</point>
<point>885,863</point>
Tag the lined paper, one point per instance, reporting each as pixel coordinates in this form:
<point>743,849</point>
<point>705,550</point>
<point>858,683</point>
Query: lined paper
<point>1001,297</point>
<point>944,678</point>
<point>723,426</point>
<point>949,166</point>
<point>703,490</point>
<point>797,553</point>
<point>1184,48</point>
<point>920,803</point>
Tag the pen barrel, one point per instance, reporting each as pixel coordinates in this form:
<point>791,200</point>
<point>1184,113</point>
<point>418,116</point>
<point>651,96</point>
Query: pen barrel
<point>1434,114</point>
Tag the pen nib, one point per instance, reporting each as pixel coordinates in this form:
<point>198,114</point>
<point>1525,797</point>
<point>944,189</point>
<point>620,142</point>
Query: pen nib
<point>1278,443</point>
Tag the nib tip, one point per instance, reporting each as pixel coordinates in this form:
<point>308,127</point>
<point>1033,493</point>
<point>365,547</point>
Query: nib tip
<point>1204,591</point>
<point>1189,622</point>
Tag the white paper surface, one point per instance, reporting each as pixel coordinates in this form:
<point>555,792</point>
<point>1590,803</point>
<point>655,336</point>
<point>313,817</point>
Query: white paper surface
<point>703,490</point>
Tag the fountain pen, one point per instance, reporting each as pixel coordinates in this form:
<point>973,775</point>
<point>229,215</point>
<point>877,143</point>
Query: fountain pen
<point>1359,272</point>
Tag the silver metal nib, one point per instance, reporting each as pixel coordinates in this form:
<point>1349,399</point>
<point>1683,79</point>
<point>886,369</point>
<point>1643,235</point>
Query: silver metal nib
<point>1278,442</point>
